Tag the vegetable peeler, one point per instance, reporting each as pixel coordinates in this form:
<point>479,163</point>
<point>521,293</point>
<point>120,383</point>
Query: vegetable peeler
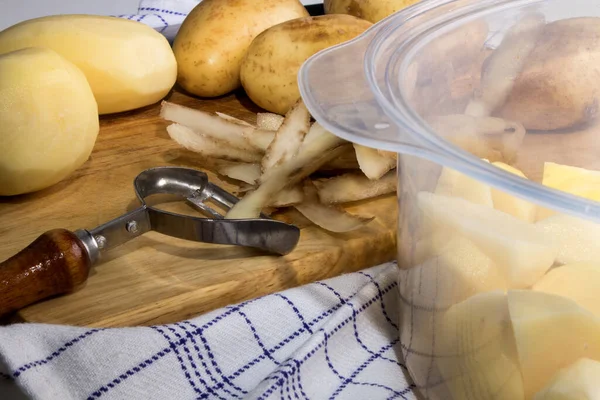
<point>59,261</point>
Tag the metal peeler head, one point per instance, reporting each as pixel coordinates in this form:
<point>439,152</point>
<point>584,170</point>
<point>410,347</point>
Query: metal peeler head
<point>192,185</point>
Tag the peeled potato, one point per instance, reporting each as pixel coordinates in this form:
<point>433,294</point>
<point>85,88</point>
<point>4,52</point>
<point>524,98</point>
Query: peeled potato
<point>558,86</point>
<point>49,120</point>
<point>456,184</point>
<point>270,68</point>
<point>578,282</point>
<point>511,204</point>
<point>371,10</point>
<point>578,381</point>
<point>127,64</point>
<point>215,36</point>
<point>551,333</point>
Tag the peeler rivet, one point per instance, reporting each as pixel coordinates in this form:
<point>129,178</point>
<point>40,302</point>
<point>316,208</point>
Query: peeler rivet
<point>100,240</point>
<point>131,227</point>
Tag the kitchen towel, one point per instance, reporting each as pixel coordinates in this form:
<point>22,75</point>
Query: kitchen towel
<point>334,339</point>
<point>165,16</point>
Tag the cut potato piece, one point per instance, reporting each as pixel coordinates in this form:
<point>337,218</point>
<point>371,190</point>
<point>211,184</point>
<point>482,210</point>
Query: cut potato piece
<point>456,184</point>
<point>477,350</point>
<point>576,239</point>
<point>454,271</point>
<point>578,381</point>
<point>310,158</point>
<point>579,282</point>
<point>372,163</point>
<point>249,173</point>
<point>209,146</point>
<point>269,121</point>
<point>511,204</point>
<point>328,217</point>
<point>516,247</point>
<point>354,186</point>
<point>574,180</point>
<point>551,333</point>
<point>289,137</point>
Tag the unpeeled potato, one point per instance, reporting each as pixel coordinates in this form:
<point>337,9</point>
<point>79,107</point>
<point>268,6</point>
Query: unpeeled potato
<point>215,35</point>
<point>127,63</point>
<point>559,86</point>
<point>371,10</point>
<point>49,120</point>
<point>270,68</point>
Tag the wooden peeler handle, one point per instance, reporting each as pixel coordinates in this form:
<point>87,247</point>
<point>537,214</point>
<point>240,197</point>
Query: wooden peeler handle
<point>57,262</point>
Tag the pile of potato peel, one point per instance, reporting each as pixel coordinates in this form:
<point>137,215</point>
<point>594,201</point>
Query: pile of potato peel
<point>274,162</point>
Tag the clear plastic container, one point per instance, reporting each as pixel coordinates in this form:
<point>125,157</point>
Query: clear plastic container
<point>492,107</point>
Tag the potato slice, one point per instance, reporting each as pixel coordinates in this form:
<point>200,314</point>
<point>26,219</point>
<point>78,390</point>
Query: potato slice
<point>310,158</point>
<point>245,172</point>
<point>328,217</point>
<point>578,381</point>
<point>269,121</point>
<point>576,239</point>
<point>372,163</point>
<point>551,333</point>
<point>578,282</point>
<point>289,137</point>
<point>519,249</point>
<point>354,186</point>
<point>209,146</point>
<point>456,184</point>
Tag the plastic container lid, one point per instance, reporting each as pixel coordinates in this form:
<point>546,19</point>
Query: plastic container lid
<point>361,90</point>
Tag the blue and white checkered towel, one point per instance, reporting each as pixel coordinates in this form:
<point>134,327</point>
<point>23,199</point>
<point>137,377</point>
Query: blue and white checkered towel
<point>335,339</point>
<point>165,16</point>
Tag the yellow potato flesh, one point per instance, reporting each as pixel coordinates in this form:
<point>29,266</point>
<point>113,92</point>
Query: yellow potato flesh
<point>49,120</point>
<point>269,70</point>
<point>551,333</point>
<point>574,180</point>
<point>127,64</point>
<point>576,239</point>
<point>455,184</point>
<point>579,282</point>
<point>476,352</point>
<point>519,250</point>
<point>578,381</point>
<point>215,36</point>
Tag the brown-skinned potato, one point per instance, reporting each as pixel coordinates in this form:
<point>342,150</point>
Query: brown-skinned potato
<point>214,38</point>
<point>558,87</point>
<point>371,10</point>
<point>270,68</point>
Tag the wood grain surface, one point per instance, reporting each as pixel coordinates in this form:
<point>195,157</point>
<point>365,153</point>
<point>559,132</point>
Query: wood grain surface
<point>157,279</point>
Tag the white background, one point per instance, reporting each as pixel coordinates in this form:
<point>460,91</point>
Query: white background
<point>13,11</point>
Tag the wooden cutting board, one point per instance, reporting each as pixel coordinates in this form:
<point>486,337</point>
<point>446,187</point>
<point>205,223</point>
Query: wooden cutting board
<point>154,278</point>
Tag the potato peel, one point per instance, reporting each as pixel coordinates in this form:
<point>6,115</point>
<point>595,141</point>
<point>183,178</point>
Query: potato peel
<point>245,172</point>
<point>235,120</point>
<point>288,197</point>
<point>209,146</point>
<point>231,133</point>
<point>372,163</point>
<point>353,187</point>
<point>289,137</point>
<point>310,158</point>
<point>330,218</point>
